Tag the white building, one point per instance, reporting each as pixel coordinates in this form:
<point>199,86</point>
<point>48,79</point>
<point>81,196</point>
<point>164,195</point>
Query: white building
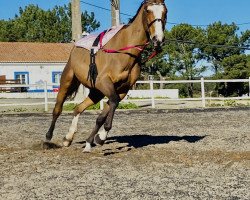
<point>34,63</point>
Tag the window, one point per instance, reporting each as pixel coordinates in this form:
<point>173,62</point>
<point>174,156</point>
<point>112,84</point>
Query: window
<point>23,77</point>
<point>56,76</point>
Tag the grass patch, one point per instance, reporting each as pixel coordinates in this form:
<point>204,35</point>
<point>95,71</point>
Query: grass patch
<point>127,106</point>
<point>71,106</point>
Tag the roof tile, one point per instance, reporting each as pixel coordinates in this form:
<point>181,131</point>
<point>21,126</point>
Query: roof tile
<point>11,52</point>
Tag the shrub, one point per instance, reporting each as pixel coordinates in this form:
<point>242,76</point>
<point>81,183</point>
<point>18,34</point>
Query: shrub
<point>230,103</point>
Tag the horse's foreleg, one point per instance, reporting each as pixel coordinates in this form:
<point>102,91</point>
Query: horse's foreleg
<point>56,113</point>
<point>99,122</point>
<point>99,137</point>
<point>65,85</point>
<point>67,140</point>
<point>113,103</point>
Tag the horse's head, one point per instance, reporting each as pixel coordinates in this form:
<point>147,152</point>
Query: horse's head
<point>155,14</point>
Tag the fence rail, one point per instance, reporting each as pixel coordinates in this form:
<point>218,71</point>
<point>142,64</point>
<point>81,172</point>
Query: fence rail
<point>152,99</point>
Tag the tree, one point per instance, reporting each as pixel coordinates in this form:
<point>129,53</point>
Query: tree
<point>183,57</point>
<point>248,63</point>
<point>5,33</point>
<point>158,65</point>
<point>245,38</point>
<point>225,35</point>
<point>224,59</point>
<point>235,67</point>
<point>34,24</point>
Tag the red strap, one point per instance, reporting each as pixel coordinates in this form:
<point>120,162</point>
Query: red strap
<point>138,47</point>
<point>101,38</point>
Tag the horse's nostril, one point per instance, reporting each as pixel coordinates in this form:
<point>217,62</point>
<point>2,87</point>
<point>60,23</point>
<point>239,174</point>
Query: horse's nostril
<point>153,38</point>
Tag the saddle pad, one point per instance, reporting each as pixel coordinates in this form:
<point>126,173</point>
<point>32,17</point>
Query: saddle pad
<point>87,41</point>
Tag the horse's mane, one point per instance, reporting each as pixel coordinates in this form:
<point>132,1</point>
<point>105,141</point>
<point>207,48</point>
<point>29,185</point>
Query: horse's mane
<point>133,19</point>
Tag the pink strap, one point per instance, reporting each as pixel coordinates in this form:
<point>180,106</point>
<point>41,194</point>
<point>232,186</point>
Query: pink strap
<point>138,47</point>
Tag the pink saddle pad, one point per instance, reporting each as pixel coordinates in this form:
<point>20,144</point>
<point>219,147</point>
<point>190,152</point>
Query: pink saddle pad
<point>87,41</point>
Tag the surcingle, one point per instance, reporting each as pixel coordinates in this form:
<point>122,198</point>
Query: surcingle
<point>94,43</point>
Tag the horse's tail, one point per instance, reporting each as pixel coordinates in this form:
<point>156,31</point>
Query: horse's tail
<point>73,88</point>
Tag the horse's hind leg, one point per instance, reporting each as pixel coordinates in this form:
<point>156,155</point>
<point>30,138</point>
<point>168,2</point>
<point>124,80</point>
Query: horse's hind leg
<point>93,98</point>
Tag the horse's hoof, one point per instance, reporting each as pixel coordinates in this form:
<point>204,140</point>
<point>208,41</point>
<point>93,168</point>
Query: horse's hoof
<point>87,148</point>
<point>66,142</point>
<point>98,140</point>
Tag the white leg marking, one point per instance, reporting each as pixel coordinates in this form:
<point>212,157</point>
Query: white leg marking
<point>72,128</point>
<point>157,11</point>
<point>87,147</point>
<point>103,134</point>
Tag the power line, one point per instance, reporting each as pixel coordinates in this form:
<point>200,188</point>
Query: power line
<point>173,23</point>
<point>207,44</point>
<point>102,8</point>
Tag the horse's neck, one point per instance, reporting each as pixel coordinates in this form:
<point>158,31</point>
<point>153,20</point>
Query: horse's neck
<point>136,30</point>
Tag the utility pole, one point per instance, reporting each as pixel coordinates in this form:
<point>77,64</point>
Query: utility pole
<point>115,12</point>
<point>76,35</point>
<point>76,20</point>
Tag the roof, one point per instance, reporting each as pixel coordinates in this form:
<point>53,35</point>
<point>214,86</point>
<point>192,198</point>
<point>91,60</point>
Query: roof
<point>31,52</point>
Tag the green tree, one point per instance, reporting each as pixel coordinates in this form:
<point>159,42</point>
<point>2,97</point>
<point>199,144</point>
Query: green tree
<point>248,63</point>
<point>221,34</point>
<point>34,24</point>
<point>5,31</point>
<point>235,67</point>
<point>245,38</point>
<point>224,59</point>
<point>183,57</point>
<point>158,66</point>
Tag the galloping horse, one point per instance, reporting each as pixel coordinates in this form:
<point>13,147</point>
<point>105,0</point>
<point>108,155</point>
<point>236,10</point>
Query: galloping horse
<point>117,72</point>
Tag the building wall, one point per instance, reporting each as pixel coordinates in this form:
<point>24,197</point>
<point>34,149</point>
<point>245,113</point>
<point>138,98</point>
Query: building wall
<point>37,72</point>
<point>162,93</point>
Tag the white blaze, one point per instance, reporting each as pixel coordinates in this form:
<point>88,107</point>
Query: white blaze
<point>157,11</point>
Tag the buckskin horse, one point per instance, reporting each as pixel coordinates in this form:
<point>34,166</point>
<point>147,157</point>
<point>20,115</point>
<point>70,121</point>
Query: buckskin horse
<point>115,71</point>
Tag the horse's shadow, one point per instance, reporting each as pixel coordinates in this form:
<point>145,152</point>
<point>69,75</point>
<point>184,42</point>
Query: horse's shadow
<point>139,141</point>
<point>136,141</point>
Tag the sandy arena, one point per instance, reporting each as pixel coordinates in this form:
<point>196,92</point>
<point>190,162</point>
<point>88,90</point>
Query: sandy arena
<point>150,154</point>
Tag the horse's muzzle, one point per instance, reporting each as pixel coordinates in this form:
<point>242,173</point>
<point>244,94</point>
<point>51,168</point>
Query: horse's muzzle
<point>157,43</point>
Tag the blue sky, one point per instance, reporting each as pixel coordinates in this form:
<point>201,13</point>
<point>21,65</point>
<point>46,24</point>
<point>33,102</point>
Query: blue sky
<point>201,12</point>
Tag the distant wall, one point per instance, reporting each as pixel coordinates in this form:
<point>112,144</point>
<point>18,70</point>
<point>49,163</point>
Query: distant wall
<point>25,95</point>
<point>166,93</point>
<point>37,72</point>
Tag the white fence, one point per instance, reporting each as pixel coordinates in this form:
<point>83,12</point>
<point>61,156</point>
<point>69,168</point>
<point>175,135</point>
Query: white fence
<point>153,98</point>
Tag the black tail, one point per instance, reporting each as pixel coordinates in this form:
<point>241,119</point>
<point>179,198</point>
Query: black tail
<point>73,88</point>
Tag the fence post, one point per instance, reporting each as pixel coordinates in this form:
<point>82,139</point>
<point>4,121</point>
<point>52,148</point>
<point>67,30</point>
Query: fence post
<point>46,96</point>
<point>152,93</point>
<point>203,93</point>
<point>249,87</point>
<point>102,104</point>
